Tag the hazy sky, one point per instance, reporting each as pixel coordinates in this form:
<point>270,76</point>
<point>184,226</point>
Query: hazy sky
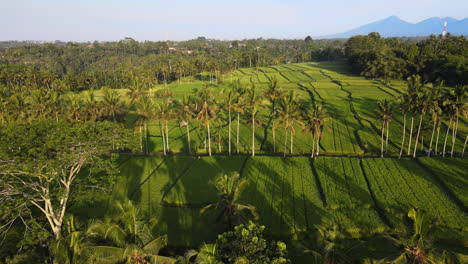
<point>88,20</point>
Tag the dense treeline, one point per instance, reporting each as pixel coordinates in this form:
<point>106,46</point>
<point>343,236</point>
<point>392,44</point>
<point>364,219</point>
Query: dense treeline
<point>142,64</point>
<point>390,58</point>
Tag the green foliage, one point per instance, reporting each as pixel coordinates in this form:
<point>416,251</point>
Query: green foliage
<point>246,242</point>
<point>390,58</point>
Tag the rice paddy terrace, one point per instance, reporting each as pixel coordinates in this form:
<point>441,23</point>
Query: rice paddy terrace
<point>347,185</point>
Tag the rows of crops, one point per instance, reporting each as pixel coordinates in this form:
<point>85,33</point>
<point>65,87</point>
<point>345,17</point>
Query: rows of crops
<point>353,127</point>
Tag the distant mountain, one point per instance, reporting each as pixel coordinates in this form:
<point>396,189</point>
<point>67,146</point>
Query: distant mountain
<point>396,27</point>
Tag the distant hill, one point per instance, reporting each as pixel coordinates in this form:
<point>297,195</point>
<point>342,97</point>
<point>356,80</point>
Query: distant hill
<point>396,27</point>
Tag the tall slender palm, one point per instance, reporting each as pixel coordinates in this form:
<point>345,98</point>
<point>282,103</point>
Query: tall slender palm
<point>253,100</point>
<point>229,105</point>
<point>274,93</point>
<point>414,89</point>
<point>164,112</point>
<point>289,116</point>
<point>421,108</point>
<point>145,112</point>
<point>435,109</point>
<point>238,107</point>
<point>315,119</point>
<point>187,113</point>
<point>229,189</point>
<point>460,106</point>
<point>385,111</point>
<point>404,107</point>
<point>206,114</point>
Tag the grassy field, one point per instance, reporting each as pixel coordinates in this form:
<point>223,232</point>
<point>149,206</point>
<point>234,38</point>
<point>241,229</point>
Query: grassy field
<point>353,126</point>
<point>362,195</point>
<point>293,194</point>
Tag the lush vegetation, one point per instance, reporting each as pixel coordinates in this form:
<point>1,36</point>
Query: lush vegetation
<point>135,152</point>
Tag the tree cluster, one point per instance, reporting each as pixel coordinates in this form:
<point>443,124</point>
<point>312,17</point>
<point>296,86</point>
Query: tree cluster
<point>390,58</point>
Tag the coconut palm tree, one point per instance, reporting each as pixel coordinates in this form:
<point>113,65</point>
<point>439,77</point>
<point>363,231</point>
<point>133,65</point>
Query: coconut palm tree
<point>404,106</point>
<point>289,115</point>
<point>414,90</point>
<point>229,189</point>
<point>206,255</point>
<point>274,92</point>
<point>113,108</point>
<point>314,123</point>
<point>145,112</point>
<point>91,105</point>
<point>131,239</point>
<point>421,106</point>
<point>206,114</point>
<point>229,105</point>
<point>330,246</point>
<point>238,107</point>
<point>19,107</point>
<point>135,93</point>
<point>253,100</point>
<point>187,114</point>
<point>385,111</point>
<point>164,112</point>
<point>418,247</point>
<point>460,106</point>
<point>435,109</point>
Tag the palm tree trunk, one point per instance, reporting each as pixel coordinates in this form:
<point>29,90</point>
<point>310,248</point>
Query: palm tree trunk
<point>382,140</point>
<point>318,144</point>
<point>188,138</point>
<point>313,145</point>
<point>167,137</point>
<point>291,139</point>
<point>237,137</point>
<point>386,138</point>
<point>417,136</point>
<point>437,139</point>
<point>446,136</point>
<point>146,138</point>
<point>141,140</point>
<point>209,139</point>
<point>274,141</point>
<point>432,137</point>
<point>464,146</point>
<point>219,141</point>
<point>285,141</point>
<point>253,135</point>
<point>163,137</point>
<point>229,141</point>
<point>403,137</point>
<point>410,135</point>
<point>454,137</point>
